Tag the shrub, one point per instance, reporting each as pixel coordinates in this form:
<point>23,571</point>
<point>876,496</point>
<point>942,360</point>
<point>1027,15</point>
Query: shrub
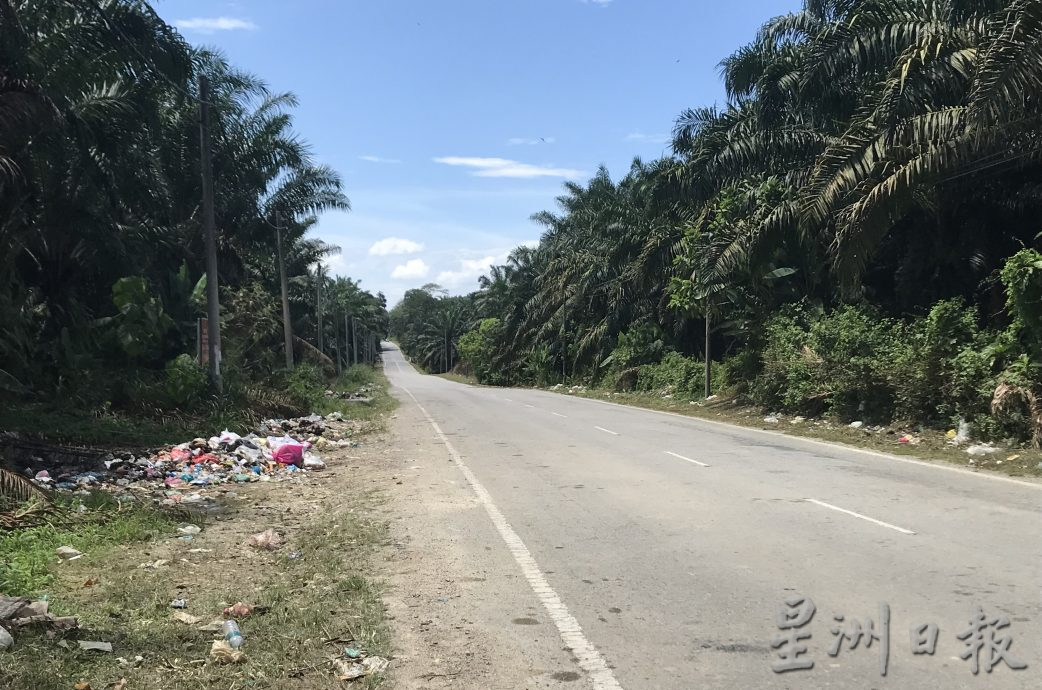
<point>677,375</point>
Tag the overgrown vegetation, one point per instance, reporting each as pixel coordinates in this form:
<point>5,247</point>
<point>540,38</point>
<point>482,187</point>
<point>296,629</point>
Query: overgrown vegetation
<point>854,232</point>
<point>101,243</point>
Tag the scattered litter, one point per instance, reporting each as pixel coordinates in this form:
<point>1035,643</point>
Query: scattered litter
<point>770,419</point>
<point>211,627</point>
<point>295,555</point>
<point>134,663</point>
<point>798,420</point>
<point>375,664</point>
<point>189,530</point>
<point>82,685</point>
<point>856,425</point>
<point>154,565</point>
<point>1011,458</point>
<point>95,646</point>
<point>6,640</point>
<point>238,610</point>
<point>121,685</point>
<point>177,475</point>
<point>179,604</point>
<point>67,553</point>
<point>223,653</point>
<point>354,668</point>
<point>910,440</point>
<point>186,618</point>
<point>268,539</point>
<point>232,634</point>
<point>981,449</point>
<point>352,653</point>
<point>348,670</point>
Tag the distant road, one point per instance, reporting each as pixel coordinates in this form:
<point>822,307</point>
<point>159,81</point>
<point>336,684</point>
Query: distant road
<point>659,546</point>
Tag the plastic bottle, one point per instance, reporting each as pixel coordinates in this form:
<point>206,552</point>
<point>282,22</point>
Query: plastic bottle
<point>232,634</point>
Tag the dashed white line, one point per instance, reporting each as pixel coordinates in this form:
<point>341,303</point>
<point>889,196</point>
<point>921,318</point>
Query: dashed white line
<point>508,399</point>
<point>688,459</point>
<point>589,659</point>
<point>532,406</point>
<point>558,414</point>
<point>902,530</point>
<point>607,431</point>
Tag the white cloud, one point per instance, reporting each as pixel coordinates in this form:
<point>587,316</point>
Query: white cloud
<point>413,268</point>
<point>469,271</point>
<point>651,138</point>
<point>529,141</point>
<point>379,159</point>
<point>503,167</point>
<point>394,245</point>
<point>208,25</point>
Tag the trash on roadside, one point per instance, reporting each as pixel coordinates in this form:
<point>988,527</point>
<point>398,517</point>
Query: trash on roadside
<point>770,419</point>
<point>313,462</point>
<point>238,610</point>
<point>981,449</point>
<point>95,646</point>
<point>797,420</point>
<point>222,653</point>
<point>186,618</point>
<point>352,653</point>
<point>910,440</point>
<point>268,539</point>
<point>232,634</point>
<point>133,663</point>
<point>82,685</point>
<point>375,664</point>
<point>856,425</point>
<point>159,563</point>
<point>211,627</point>
<point>179,604</point>
<point>6,639</point>
<point>295,555</point>
<point>963,434</point>
<point>120,685</point>
<point>1011,458</point>
<point>189,530</point>
<point>347,670</point>
<point>67,553</point>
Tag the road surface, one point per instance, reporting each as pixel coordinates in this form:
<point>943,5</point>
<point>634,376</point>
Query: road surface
<point>653,550</point>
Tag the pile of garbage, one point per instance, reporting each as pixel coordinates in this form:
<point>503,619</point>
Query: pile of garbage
<point>279,449</point>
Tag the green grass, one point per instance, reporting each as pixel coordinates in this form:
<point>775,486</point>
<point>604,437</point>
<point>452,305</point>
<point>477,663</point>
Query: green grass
<point>351,381</point>
<point>27,556</point>
<point>108,429</point>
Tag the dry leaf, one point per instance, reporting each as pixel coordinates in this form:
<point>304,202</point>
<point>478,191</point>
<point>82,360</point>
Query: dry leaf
<point>82,685</point>
<point>121,685</point>
<point>91,582</point>
<point>186,618</point>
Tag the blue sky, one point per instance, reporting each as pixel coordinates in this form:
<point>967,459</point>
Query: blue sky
<point>452,122</point>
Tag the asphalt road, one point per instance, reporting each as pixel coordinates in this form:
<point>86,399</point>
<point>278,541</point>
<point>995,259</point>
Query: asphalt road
<point>660,547</point>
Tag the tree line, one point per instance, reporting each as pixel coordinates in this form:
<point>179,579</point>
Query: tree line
<point>854,231</point>
<point>102,267</point>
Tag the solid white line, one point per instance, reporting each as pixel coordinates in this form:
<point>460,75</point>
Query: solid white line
<point>508,399</point>
<point>559,414</point>
<point>527,405</point>
<point>688,459</point>
<point>607,431</point>
<point>589,659</point>
<point>859,515</point>
<point>695,421</point>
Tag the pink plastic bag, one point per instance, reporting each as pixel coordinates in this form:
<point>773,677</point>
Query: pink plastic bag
<point>289,454</point>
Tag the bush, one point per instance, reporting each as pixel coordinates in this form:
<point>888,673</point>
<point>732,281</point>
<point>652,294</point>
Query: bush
<point>478,349</point>
<point>678,375</point>
<point>186,383</point>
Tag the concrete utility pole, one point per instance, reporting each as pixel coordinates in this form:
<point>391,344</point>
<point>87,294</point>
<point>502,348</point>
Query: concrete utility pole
<point>709,369</point>
<point>336,346</point>
<point>213,307</point>
<point>347,342</point>
<point>354,340</point>
<point>287,325</point>
<point>318,306</point>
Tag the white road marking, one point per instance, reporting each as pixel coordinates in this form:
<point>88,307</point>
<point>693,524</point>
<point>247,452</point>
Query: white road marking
<point>589,659</point>
<point>607,431</point>
<point>688,459</point>
<point>859,515</point>
<point>558,414</point>
<point>695,421</point>
<point>532,406</point>
<point>508,399</point>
